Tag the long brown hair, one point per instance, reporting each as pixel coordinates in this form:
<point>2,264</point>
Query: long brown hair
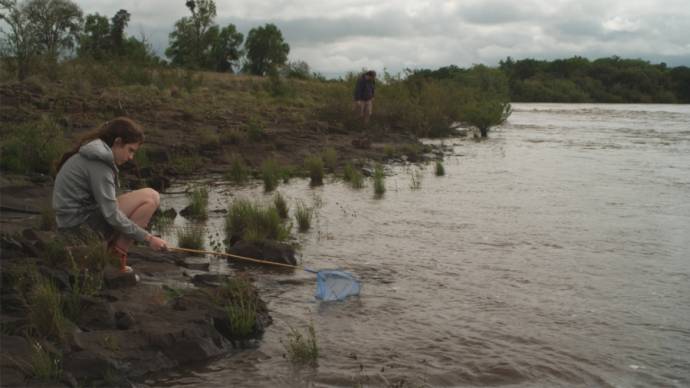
<point>123,127</point>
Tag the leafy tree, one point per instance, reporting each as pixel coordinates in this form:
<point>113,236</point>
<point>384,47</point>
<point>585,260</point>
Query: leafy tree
<point>485,114</point>
<point>117,30</point>
<point>191,41</point>
<point>95,39</point>
<point>19,42</point>
<point>55,23</point>
<point>38,28</point>
<point>266,50</point>
<point>225,50</point>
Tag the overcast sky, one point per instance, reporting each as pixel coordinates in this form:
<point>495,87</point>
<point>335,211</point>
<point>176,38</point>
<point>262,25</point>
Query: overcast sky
<point>337,36</point>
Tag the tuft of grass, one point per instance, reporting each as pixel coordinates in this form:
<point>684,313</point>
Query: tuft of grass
<point>379,181</point>
<point>281,205</point>
<point>239,172</point>
<point>252,222</point>
<point>191,237</point>
<point>44,365</point>
<point>239,297</point>
<point>45,308</point>
<point>198,203</point>
<point>416,179</point>
<point>302,348</point>
<point>242,316</point>
<point>354,176</point>
<point>270,174</point>
<point>84,283</point>
<point>440,170</point>
<point>314,164</point>
<point>303,215</point>
<point>330,158</point>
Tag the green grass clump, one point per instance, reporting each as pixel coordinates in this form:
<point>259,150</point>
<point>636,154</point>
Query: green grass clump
<point>301,348</point>
<point>303,215</point>
<point>379,181</point>
<point>198,203</point>
<point>191,237</point>
<point>239,172</point>
<point>314,164</point>
<point>45,308</point>
<point>253,222</point>
<point>281,205</point>
<point>270,174</point>
<point>32,147</point>
<point>239,297</point>
<point>44,365</point>
<point>440,170</point>
<point>354,176</point>
<point>330,158</point>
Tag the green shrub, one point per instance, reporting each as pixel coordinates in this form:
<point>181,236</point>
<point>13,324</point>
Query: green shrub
<point>250,221</point>
<point>379,181</point>
<point>486,113</point>
<point>32,147</point>
<point>440,170</point>
<point>303,215</point>
<point>198,203</point>
<point>281,205</point>
<point>270,174</point>
<point>239,172</point>
<point>314,165</point>
<point>191,237</point>
<point>301,348</point>
<point>330,158</point>
<point>44,365</point>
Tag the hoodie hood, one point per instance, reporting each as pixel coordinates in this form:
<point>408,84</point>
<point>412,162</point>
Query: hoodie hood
<point>98,150</point>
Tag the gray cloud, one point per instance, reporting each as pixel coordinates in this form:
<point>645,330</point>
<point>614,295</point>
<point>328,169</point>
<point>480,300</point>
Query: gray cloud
<point>347,35</point>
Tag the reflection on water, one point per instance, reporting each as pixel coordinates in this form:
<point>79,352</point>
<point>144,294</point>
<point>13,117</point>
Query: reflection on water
<point>555,253</point>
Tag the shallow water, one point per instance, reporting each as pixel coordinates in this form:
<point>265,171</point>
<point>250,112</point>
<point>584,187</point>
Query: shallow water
<point>555,253</point>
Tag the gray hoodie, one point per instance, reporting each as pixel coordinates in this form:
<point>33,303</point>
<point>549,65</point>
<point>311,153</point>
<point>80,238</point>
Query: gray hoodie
<point>87,182</point>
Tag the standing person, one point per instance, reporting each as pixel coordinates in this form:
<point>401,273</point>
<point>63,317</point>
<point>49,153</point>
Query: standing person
<point>85,190</point>
<point>364,95</point>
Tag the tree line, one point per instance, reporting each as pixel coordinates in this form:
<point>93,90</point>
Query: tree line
<point>577,79</point>
<point>37,34</point>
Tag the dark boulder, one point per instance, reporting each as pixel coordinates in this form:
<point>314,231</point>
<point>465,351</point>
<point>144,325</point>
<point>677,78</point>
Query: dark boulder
<point>272,251</point>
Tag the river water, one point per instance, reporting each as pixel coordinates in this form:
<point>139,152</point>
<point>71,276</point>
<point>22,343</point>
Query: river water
<point>555,253</point>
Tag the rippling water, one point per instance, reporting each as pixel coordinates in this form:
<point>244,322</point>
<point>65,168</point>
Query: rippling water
<point>555,253</point>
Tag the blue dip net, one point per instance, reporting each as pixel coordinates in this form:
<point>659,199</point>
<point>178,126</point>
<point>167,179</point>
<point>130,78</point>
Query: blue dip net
<point>335,285</point>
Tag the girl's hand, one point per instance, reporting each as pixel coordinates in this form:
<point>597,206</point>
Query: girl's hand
<point>157,244</point>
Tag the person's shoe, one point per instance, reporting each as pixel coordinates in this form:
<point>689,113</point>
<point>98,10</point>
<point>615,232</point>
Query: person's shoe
<point>124,268</point>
